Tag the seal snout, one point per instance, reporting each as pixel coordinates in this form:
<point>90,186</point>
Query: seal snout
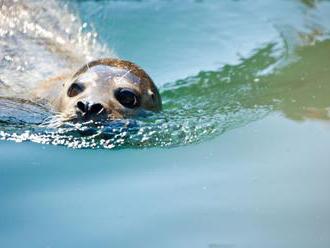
<point>90,108</point>
<point>107,89</point>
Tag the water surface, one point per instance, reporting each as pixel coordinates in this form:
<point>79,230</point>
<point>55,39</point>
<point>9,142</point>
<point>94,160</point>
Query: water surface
<point>245,125</point>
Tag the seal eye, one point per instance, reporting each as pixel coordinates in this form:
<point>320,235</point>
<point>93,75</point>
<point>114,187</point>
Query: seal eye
<point>127,98</point>
<point>75,89</point>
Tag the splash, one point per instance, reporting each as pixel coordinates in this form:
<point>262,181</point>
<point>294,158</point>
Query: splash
<point>196,108</point>
<point>38,42</point>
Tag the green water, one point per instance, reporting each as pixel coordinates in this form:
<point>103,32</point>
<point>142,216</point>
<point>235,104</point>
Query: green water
<point>246,89</point>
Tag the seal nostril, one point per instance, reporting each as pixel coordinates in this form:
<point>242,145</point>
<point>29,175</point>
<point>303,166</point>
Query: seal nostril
<point>81,106</point>
<point>96,108</point>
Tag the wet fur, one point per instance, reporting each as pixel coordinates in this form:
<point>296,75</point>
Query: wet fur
<point>50,92</point>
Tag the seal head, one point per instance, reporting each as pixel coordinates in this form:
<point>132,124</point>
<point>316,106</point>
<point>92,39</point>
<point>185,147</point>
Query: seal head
<point>108,89</point>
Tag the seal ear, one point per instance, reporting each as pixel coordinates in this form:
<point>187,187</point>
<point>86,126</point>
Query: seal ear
<point>152,101</point>
<point>152,95</point>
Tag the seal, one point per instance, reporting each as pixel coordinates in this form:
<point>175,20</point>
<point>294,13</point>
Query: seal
<point>104,89</point>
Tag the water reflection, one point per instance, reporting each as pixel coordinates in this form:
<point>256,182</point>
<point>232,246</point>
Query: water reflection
<point>309,3</point>
<point>302,88</point>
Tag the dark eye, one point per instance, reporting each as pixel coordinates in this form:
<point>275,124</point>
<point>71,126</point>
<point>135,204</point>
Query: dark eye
<point>127,98</point>
<point>75,89</point>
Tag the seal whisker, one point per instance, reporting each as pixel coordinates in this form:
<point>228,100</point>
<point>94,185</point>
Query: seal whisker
<point>58,119</point>
<point>126,73</point>
<point>53,122</point>
<point>98,113</point>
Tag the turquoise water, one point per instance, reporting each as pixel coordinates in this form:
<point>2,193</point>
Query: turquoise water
<point>245,87</point>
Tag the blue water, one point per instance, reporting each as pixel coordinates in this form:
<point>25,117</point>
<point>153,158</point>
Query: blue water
<point>258,71</point>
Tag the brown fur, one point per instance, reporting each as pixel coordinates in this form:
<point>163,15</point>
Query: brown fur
<point>135,69</point>
<point>53,91</point>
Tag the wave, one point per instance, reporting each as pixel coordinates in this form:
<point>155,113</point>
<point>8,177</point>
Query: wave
<point>36,42</point>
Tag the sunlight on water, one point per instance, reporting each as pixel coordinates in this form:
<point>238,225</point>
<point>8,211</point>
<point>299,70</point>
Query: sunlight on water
<point>245,87</point>
<point>195,108</point>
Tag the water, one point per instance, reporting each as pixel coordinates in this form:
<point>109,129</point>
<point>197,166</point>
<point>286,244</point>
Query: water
<point>245,124</point>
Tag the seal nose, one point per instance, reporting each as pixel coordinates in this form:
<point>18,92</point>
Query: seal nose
<point>90,107</point>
